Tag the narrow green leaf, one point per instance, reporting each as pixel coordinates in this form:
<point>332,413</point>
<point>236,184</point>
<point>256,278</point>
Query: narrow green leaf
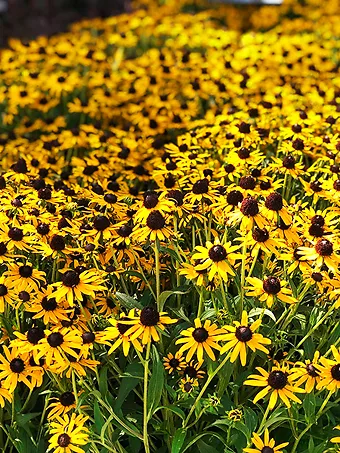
<point>178,440</point>
<point>156,383</point>
<point>135,371</point>
<point>128,301</point>
<point>166,294</point>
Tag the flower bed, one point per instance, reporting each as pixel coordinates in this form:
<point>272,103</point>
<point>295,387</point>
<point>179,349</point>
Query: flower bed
<point>169,236</point>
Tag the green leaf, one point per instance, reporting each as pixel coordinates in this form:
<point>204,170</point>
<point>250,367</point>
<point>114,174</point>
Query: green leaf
<point>258,312</point>
<point>210,313</point>
<point>176,410</point>
<point>135,371</point>
<point>98,418</point>
<point>128,301</point>
<point>166,294</point>
<point>239,426</point>
<point>309,406</point>
<point>156,383</point>
<point>195,439</point>
<point>205,448</point>
<point>178,440</point>
<point>180,314</point>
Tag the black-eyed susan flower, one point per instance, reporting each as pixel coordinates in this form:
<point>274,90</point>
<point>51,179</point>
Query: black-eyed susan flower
<point>329,372</point>
<point>174,362</point>
<point>199,339</point>
<point>58,342</point>
<point>68,432</point>
<point>116,336</point>
<point>193,370</point>
<point>14,368</point>
<point>242,335</point>
<point>267,445</point>
<point>155,227</point>
<point>335,440</point>
<point>23,276</point>
<point>147,324</point>
<point>63,404</point>
<point>75,284</point>
<point>323,252</point>
<point>188,385</point>
<point>307,372</point>
<point>5,394</point>
<point>269,289</point>
<point>277,383</point>
<point>217,258</point>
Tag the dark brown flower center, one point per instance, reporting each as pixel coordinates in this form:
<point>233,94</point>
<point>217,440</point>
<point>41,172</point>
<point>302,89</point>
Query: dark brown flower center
<point>174,362</point>
<point>71,279</point>
<point>34,335</point>
<point>277,379</point>
<point>272,285</point>
<point>55,339</point>
<point>247,182</point>
<point>324,247</point>
<point>317,276</point>
<point>243,333</point>
<point>124,231</point>
<point>289,162</point>
<point>319,219</point>
<point>64,440</point>
<point>311,370</point>
<point>335,372</point>
<point>3,290</point>
<point>101,223</point>
<point>123,328</point>
<point>57,243</point>
<point>49,304</point>
<point>25,271</point>
<point>88,337</point>
<point>217,253</point>
<point>149,316</point>
<point>187,387</point>
<point>234,197</point>
<point>150,200</point>
<point>155,221</point>
<point>200,334</point>
<point>267,450</point>
<point>274,202</point>
<point>16,234</point>
<point>200,187</point>
<point>260,235</point>
<point>316,230</point>
<point>17,365</point>
<point>67,399</point>
<point>249,207</point>
<point>190,371</point>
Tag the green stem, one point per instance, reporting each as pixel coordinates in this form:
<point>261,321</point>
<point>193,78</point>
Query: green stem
<point>158,284</point>
<point>264,419</point>
<point>318,324</point>
<point>210,378</point>
<point>74,386</point>
<point>145,401</point>
<point>201,304</point>
<point>321,410</point>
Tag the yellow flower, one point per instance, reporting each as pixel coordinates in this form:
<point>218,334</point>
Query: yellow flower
<point>278,383</point>
<point>199,339</point>
<point>269,289</point>
<point>242,335</point>
<point>68,433</point>
<point>266,445</point>
<point>217,258</point>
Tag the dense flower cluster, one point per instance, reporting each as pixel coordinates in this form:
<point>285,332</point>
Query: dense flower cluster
<point>169,235</point>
